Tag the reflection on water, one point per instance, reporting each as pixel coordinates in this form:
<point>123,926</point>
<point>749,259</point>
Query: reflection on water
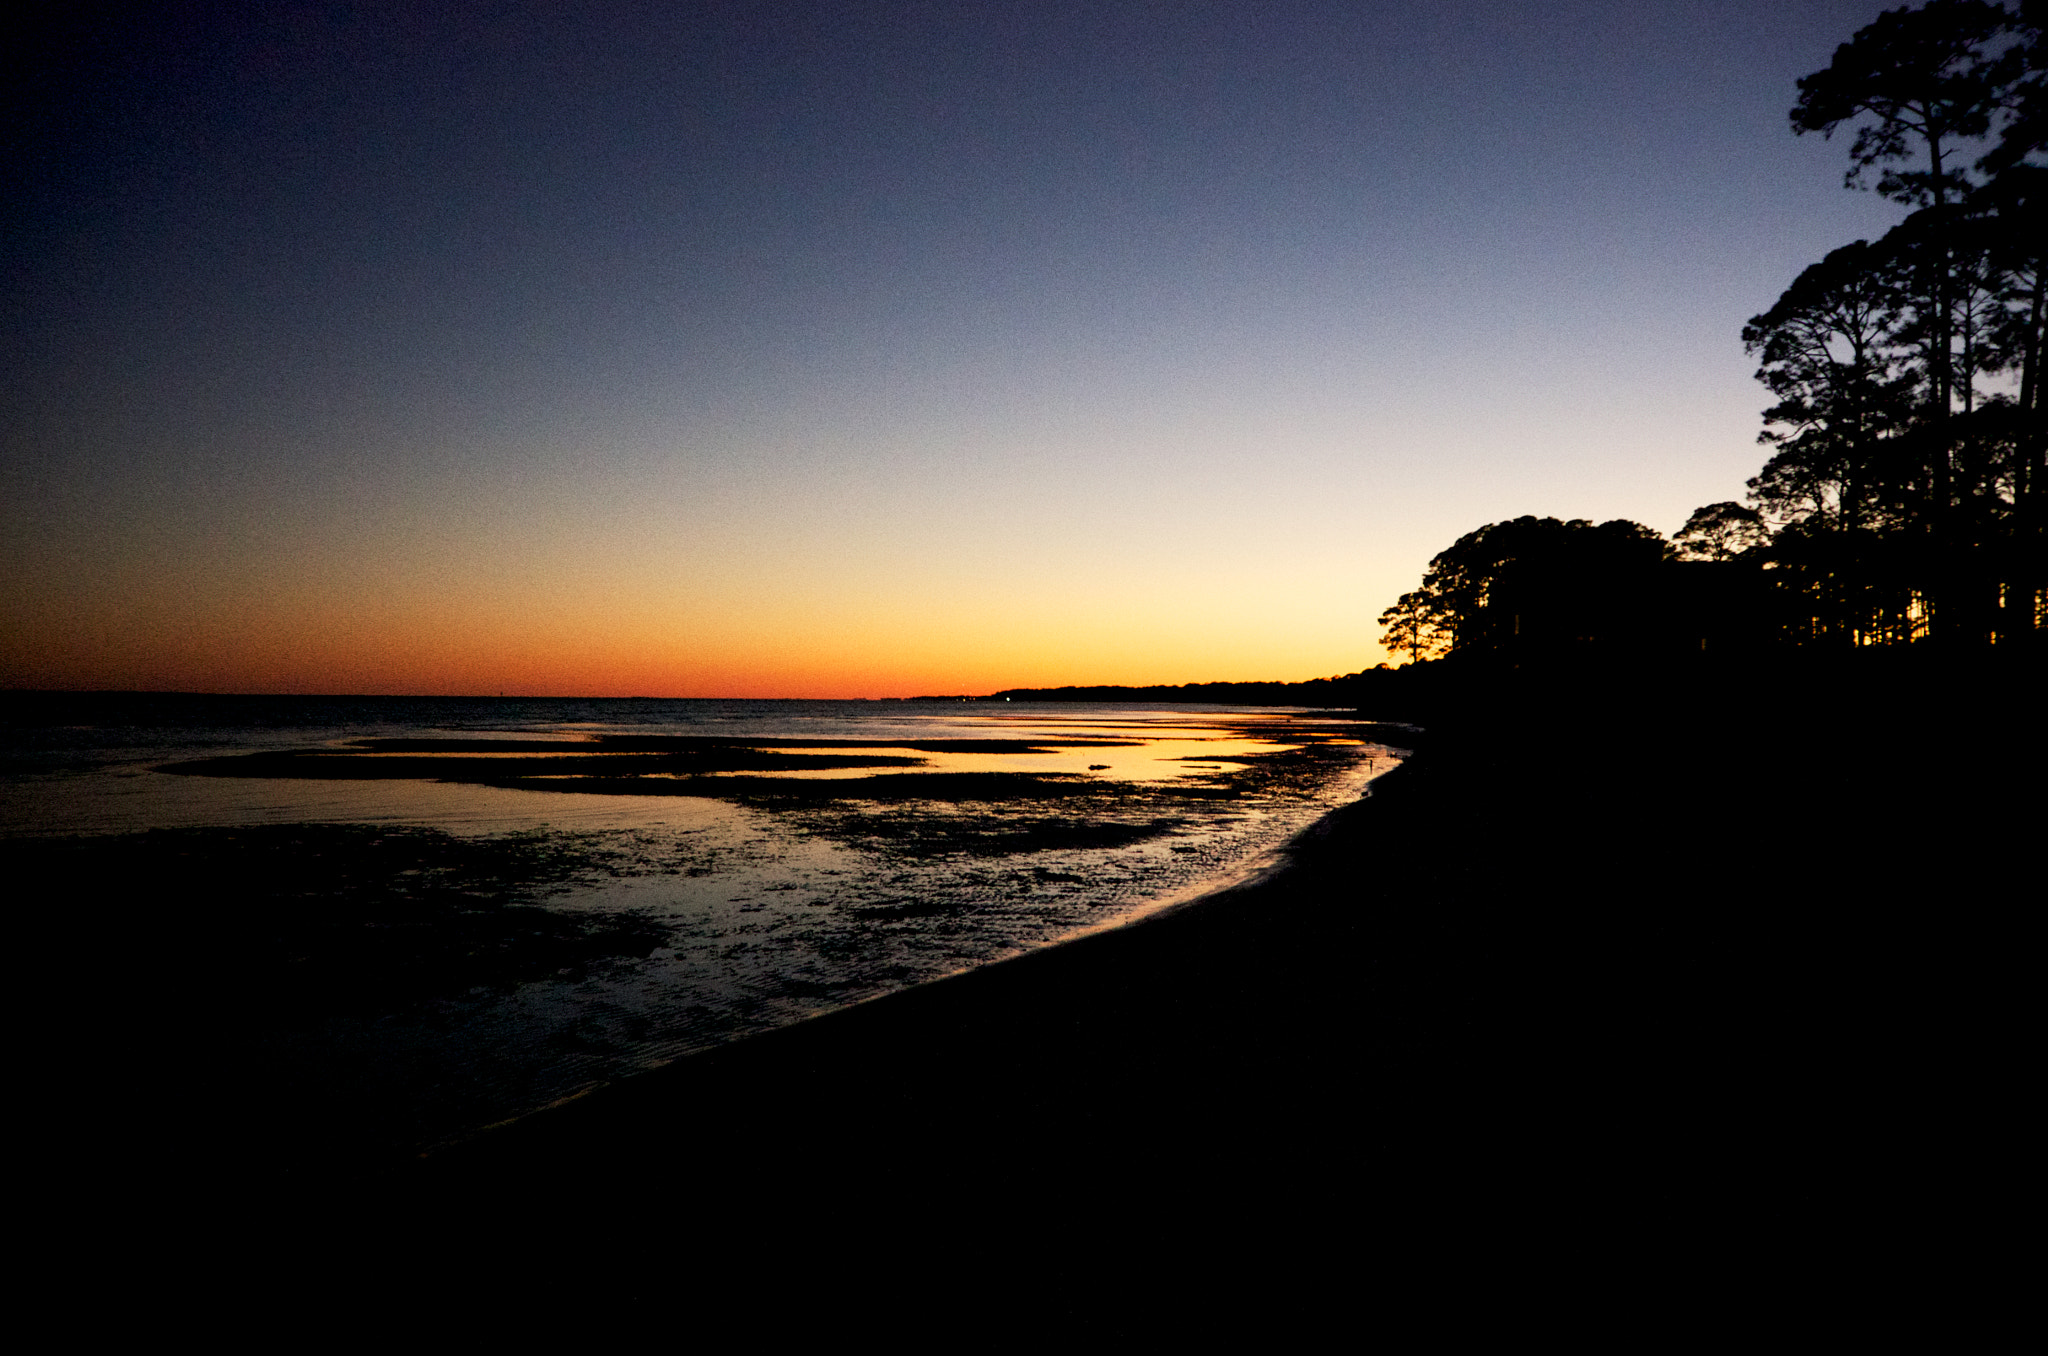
<point>1161,759</point>
<point>768,895</point>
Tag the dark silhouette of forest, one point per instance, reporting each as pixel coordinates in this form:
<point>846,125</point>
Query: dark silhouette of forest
<point>1901,501</point>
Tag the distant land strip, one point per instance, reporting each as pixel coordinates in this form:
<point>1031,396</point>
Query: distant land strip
<point>1338,691</point>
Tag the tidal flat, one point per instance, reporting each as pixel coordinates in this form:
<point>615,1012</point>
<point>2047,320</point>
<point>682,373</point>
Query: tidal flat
<point>370,938</point>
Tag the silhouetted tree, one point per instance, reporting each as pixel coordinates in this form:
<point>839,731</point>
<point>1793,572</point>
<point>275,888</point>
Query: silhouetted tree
<point>1531,583</point>
<point>1720,532</point>
<point>1828,354</point>
<point>1919,81</point>
<point>2012,202</point>
<point>1419,625</point>
<point>1906,494</point>
<point>1903,485</point>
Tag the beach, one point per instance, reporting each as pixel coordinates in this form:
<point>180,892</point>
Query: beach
<point>1639,964</point>
<point>1590,963</point>
<point>349,933</point>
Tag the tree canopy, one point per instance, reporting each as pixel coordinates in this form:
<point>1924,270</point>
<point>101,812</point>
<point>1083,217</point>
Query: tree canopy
<point>1902,496</point>
<point>1536,578</point>
<point>1918,82</point>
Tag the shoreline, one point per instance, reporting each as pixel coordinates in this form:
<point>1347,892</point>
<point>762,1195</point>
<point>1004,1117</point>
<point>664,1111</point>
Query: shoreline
<point>1730,962</point>
<point>323,1163</point>
<point>339,962</point>
<point>1558,962</point>
<point>1265,867</point>
<point>898,1056</point>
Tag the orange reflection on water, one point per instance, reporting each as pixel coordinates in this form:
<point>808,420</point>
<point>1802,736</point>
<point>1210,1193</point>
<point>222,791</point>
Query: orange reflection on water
<point>1152,761</point>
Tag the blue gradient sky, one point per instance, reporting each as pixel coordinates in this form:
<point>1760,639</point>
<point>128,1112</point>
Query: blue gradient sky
<point>861,349</point>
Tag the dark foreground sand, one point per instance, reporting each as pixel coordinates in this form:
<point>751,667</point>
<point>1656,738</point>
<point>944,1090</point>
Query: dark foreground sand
<point>1741,969</point>
<point>1644,965</point>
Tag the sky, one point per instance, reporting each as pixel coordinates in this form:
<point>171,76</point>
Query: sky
<point>860,349</point>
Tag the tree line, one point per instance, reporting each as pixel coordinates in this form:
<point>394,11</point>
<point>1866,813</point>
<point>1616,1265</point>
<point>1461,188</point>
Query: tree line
<point>1901,500</point>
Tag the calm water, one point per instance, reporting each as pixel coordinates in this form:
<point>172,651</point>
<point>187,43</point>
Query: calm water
<point>768,896</point>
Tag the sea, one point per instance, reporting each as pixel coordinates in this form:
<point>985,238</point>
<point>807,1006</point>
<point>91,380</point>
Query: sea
<point>394,922</point>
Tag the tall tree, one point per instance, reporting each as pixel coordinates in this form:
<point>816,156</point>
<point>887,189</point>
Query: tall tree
<point>1921,86</point>
<point>2014,198</point>
<point>1827,351</point>
<point>1926,80</point>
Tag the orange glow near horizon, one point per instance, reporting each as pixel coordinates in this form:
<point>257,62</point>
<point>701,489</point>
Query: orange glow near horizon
<point>582,602</point>
<point>469,644</point>
<point>393,664</point>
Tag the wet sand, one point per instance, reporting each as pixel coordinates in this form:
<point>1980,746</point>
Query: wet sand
<point>1636,964</point>
<point>297,1003</point>
<point>1613,984</point>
